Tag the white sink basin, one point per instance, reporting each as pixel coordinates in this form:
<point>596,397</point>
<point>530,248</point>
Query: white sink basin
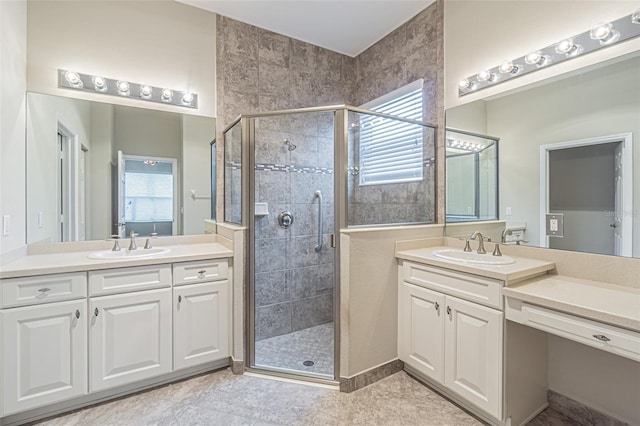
<point>127,254</point>
<point>473,257</point>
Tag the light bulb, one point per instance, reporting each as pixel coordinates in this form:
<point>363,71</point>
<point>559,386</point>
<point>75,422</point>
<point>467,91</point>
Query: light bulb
<point>536,58</point>
<point>123,87</point>
<point>466,84</point>
<point>73,78</point>
<point>635,17</point>
<point>605,34</point>
<point>145,91</point>
<point>487,76</point>
<point>187,98</point>
<point>508,67</point>
<point>99,83</point>
<point>568,47</point>
<point>167,95</point>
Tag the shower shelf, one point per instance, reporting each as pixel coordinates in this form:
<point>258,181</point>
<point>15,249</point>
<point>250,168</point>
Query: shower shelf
<point>262,209</point>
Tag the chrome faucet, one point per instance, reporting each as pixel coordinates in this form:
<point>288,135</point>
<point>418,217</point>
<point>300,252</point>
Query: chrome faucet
<point>132,243</point>
<point>481,249</point>
<point>504,235</point>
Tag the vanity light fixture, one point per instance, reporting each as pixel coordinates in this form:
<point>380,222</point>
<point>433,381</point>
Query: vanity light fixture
<point>108,86</point>
<point>150,162</point>
<point>596,38</point>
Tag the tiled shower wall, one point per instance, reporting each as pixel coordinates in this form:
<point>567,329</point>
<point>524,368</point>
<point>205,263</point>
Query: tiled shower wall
<point>412,51</point>
<point>294,284</point>
<point>259,70</point>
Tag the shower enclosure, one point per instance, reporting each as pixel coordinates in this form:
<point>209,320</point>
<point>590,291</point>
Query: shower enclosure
<point>294,178</point>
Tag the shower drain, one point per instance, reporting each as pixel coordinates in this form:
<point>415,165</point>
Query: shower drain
<point>308,363</point>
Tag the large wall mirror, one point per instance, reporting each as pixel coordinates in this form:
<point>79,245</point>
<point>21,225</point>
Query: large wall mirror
<point>569,147</point>
<point>97,169</point>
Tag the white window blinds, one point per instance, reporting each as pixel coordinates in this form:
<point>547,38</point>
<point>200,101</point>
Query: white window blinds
<point>391,151</point>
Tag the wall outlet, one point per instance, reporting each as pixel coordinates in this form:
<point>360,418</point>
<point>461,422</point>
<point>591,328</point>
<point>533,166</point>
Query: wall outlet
<point>5,225</point>
<point>40,219</point>
<point>555,224</point>
<point>508,211</point>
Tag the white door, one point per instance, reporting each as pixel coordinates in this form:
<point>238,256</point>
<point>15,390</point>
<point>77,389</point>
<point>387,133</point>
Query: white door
<point>473,353</point>
<point>129,338</point>
<point>201,323</point>
<point>44,352</point>
<point>421,330</point>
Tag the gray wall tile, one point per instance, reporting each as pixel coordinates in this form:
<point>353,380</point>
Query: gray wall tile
<point>273,320</point>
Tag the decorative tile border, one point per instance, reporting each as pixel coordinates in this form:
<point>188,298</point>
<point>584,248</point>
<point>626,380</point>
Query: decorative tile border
<point>289,168</point>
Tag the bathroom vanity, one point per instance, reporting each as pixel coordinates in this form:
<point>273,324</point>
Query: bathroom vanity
<point>478,332</point>
<point>452,332</point>
<point>76,329</point>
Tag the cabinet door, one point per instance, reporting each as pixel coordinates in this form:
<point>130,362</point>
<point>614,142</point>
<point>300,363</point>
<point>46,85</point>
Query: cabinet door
<point>44,352</point>
<point>130,338</point>
<point>201,323</point>
<point>421,330</point>
<point>473,353</point>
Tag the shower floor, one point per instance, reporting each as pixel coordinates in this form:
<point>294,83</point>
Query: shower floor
<point>291,350</point>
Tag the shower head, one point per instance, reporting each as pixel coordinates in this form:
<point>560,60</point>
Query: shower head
<point>289,145</point>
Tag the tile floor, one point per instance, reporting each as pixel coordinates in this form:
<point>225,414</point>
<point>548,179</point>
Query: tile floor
<point>221,398</point>
<point>290,350</point>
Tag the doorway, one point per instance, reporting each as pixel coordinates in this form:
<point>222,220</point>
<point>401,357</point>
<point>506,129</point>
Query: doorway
<point>589,182</point>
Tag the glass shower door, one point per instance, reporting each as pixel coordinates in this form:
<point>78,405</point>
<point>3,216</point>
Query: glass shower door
<point>293,262</point>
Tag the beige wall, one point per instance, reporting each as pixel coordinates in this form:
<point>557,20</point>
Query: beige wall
<point>197,134</point>
<point>162,43</point>
<point>13,55</point>
<point>44,113</point>
<point>369,295</point>
<point>483,33</point>
<point>101,156</point>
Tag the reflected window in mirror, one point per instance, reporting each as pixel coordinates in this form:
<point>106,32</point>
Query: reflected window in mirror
<point>471,177</point>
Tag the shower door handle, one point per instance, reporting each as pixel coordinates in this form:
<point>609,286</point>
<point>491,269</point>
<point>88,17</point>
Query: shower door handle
<point>318,246</point>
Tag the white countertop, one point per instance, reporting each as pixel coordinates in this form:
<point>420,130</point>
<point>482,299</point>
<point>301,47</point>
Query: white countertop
<point>612,304</point>
<point>74,261</point>
<point>522,268</point>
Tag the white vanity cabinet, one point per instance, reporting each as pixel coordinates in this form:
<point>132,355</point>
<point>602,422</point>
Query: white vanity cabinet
<point>44,344</point>
<point>454,343</point>
<point>129,333</point>
<point>200,312</point>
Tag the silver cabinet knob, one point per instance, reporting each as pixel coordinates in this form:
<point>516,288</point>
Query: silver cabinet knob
<point>201,274</point>
<point>179,299</point>
<point>44,290</point>
<point>448,310</point>
<point>96,312</point>
<point>601,337</point>
<point>437,306</point>
<point>77,313</point>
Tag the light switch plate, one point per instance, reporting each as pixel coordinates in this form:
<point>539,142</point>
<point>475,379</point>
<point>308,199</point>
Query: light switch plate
<point>555,224</point>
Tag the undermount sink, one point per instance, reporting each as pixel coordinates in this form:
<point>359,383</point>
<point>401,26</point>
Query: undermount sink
<point>127,254</point>
<point>473,257</point>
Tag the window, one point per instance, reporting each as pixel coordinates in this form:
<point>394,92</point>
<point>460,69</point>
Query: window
<point>391,151</point>
<point>149,190</point>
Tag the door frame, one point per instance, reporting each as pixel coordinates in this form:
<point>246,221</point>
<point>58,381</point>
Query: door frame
<point>69,201</point>
<point>626,140</point>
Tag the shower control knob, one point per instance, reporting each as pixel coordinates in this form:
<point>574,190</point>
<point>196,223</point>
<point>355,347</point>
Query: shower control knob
<point>285,219</point>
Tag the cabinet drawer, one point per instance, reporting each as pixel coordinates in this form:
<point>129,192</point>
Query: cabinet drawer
<point>465,286</point>
<point>124,280</point>
<point>200,271</point>
<point>607,337</point>
<point>42,289</point>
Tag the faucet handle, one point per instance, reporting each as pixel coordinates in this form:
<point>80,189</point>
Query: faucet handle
<point>116,242</point>
<point>467,246</point>
<point>496,250</point>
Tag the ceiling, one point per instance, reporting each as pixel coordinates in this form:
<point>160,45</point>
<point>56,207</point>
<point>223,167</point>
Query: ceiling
<point>347,26</point>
